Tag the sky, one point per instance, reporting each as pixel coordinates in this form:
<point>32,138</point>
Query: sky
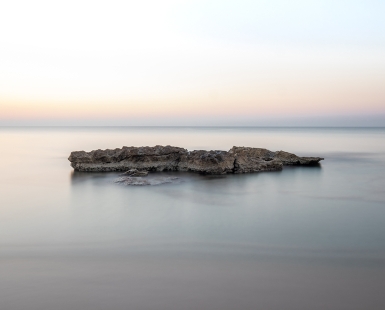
<point>193,63</point>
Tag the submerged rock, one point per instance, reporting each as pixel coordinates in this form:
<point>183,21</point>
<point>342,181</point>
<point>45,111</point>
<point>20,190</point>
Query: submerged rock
<point>136,173</point>
<point>139,181</point>
<point>137,161</point>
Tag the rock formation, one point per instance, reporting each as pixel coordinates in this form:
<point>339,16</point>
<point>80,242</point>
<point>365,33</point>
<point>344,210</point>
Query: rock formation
<point>158,158</point>
<point>170,158</point>
<point>249,159</point>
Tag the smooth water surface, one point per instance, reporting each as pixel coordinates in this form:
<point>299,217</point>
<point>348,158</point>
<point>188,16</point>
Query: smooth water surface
<point>303,238</point>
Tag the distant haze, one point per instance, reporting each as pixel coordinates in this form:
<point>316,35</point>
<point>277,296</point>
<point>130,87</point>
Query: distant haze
<point>219,63</point>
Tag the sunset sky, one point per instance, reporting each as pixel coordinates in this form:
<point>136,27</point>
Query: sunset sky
<point>252,63</point>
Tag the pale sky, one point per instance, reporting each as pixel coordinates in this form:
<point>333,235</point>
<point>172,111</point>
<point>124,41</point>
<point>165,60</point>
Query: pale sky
<point>192,63</point>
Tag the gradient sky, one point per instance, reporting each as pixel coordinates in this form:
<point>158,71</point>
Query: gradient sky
<point>253,63</point>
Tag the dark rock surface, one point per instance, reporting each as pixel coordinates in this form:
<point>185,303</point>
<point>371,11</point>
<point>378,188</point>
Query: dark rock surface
<point>210,162</point>
<point>157,158</point>
<point>248,159</point>
<point>139,160</point>
<point>292,159</point>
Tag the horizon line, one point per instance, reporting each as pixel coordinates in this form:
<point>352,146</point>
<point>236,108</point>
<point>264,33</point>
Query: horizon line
<point>175,126</point>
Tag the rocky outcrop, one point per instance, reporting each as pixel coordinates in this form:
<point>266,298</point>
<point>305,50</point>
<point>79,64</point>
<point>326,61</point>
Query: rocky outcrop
<point>170,158</point>
<point>248,159</point>
<point>157,158</point>
<point>292,159</point>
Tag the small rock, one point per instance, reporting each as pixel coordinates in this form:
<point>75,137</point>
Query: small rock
<point>138,181</point>
<point>136,173</point>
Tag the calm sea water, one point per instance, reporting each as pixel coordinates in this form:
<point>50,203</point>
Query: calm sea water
<point>303,238</point>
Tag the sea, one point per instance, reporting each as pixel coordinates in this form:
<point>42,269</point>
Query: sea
<point>300,238</point>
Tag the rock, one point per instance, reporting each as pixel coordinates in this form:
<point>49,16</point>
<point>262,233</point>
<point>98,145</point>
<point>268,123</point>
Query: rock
<point>128,181</point>
<point>284,157</point>
<point>292,159</point>
<point>249,159</point>
<point>139,160</point>
<point>209,162</point>
<point>136,173</point>
<point>157,158</point>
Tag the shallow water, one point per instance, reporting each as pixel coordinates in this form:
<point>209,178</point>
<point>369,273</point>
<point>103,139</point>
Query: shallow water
<point>302,238</point>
